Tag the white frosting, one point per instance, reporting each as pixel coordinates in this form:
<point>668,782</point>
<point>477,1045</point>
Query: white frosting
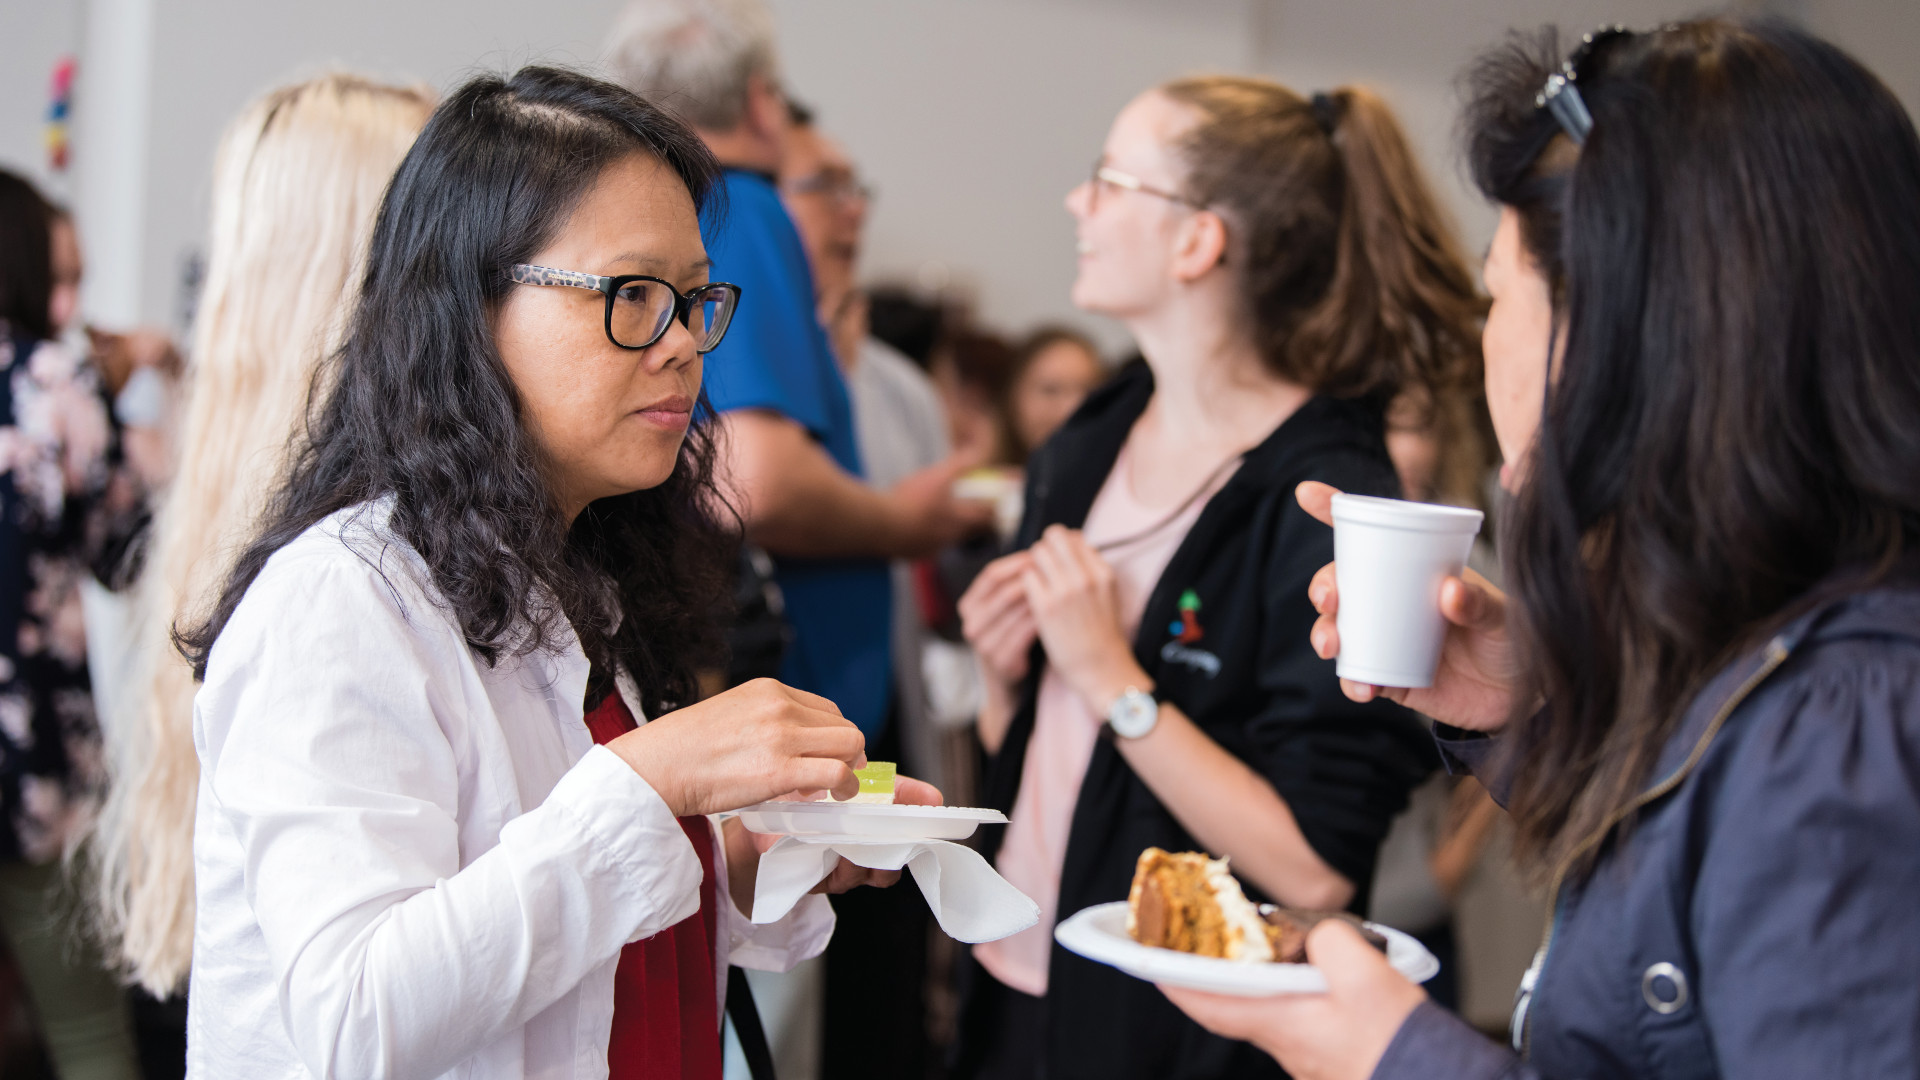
<point>1246,930</point>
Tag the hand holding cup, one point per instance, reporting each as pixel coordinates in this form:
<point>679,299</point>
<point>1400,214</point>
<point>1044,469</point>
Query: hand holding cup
<point>1472,684</point>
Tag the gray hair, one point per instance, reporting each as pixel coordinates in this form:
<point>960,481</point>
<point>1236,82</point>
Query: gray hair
<point>694,57</point>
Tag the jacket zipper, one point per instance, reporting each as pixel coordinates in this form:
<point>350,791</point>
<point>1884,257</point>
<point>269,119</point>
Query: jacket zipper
<point>1777,653</point>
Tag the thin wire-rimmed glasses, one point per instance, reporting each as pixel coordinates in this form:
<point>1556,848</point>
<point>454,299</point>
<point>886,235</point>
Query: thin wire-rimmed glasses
<point>1105,175</point>
<point>842,188</point>
<point>640,307</point>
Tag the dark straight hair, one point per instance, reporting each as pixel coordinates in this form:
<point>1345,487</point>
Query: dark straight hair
<point>419,407</point>
<point>1734,427</point>
<point>26,258</point>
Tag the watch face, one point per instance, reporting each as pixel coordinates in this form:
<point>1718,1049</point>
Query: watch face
<point>1133,715</point>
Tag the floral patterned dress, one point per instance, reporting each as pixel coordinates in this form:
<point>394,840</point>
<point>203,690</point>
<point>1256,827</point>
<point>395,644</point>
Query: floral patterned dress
<point>68,506</point>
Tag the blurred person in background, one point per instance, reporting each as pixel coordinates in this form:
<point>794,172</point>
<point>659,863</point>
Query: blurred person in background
<point>973,369</point>
<point>791,457</point>
<point>68,502</point>
<point>1054,370</point>
<point>296,181</point>
<point>138,370</point>
<point>1011,398</point>
<point>901,429</point>
<point>823,193</point>
<point>1286,272</point>
<point>897,411</point>
<point>1700,699</point>
<point>900,316</point>
<point>119,357</point>
<point>137,373</point>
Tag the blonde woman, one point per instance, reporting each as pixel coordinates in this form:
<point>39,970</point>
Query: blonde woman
<point>297,180</point>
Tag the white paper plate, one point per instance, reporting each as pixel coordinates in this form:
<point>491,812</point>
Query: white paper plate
<point>989,488</point>
<point>868,820</point>
<point>1100,933</point>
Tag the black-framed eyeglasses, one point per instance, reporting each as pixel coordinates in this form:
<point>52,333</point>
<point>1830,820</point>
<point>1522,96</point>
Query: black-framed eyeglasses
<point>640,307</point>
<point>1105,175</point>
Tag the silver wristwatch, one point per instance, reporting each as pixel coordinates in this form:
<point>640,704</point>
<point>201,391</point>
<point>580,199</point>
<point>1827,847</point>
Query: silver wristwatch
<point>1133,714</point>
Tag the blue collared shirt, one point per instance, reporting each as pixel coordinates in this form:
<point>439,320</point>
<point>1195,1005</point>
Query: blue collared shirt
<point>776,357</point>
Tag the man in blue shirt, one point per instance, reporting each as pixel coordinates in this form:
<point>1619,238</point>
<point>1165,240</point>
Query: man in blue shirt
<point>774,382</point>
<point>790,449</point>
<point>794,465</point>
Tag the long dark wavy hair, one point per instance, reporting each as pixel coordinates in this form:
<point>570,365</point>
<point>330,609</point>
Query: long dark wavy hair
<point>1734,430</point>
<point>418,406</point>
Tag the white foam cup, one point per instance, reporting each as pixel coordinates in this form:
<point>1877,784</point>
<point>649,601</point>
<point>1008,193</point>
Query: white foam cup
<point>1389,559</point>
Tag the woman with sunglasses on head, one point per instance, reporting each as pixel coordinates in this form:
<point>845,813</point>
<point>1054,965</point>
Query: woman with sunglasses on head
<point>1704,690</point>
<point>1286,273</point>
<point>494,549</point>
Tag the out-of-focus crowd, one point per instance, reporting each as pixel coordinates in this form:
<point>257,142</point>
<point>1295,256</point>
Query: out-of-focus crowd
<point>576,357</point>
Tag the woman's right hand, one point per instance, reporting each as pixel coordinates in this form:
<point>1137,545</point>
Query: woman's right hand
<point>1473,687</point>
<point>758,741</point>
<point>996,620</point>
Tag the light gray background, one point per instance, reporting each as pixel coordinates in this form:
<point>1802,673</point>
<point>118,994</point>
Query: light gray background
<point>972,117</point>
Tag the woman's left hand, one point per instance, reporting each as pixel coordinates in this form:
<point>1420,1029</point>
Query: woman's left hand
<point>1338,1035</point>
<point>1076,605</point>
<point>846,876</point>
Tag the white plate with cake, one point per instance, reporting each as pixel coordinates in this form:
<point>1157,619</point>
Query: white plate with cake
<point>1187,923</point>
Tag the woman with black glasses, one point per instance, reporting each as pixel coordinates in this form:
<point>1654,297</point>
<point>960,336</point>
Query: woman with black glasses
<point>496,548</point>
<point>1286,273</point>
<point>1703,692</point>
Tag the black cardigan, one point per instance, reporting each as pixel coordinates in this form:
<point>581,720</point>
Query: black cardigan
<point>1252,683</point>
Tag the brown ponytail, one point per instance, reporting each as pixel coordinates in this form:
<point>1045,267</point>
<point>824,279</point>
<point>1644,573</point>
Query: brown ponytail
<point>1351,274</point>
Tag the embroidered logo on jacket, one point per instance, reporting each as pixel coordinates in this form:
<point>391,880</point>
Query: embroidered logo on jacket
<point>1186,630</point>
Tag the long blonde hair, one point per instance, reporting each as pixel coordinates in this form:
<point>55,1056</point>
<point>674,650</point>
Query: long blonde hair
<point>297,180</point>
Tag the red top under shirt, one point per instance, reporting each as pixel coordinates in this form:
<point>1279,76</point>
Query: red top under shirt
<point>666,1020</point>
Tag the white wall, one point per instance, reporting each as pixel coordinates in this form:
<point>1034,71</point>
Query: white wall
<point>972,117</point>
<point>35,36</point>
<point>112,137</point>
<point>212,56</point>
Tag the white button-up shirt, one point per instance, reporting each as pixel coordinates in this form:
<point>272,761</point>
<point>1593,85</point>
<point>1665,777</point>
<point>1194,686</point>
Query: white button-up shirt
<point>410,863</point>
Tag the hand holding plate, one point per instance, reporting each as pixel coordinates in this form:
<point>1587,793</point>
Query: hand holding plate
<point>1339,1035</point>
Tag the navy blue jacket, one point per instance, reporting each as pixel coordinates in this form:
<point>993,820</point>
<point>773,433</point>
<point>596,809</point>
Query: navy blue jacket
<point>1762,918</point>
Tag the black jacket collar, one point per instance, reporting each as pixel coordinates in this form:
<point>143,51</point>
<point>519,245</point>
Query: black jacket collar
<point>1070,467</point>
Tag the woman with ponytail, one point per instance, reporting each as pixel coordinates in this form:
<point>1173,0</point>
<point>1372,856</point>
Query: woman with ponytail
<point>1287,275</point>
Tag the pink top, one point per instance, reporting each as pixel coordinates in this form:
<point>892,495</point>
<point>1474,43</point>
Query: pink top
<point>1065,727</point>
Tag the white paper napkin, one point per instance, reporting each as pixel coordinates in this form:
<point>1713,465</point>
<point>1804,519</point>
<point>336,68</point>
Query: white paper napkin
<point>971,902</point>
